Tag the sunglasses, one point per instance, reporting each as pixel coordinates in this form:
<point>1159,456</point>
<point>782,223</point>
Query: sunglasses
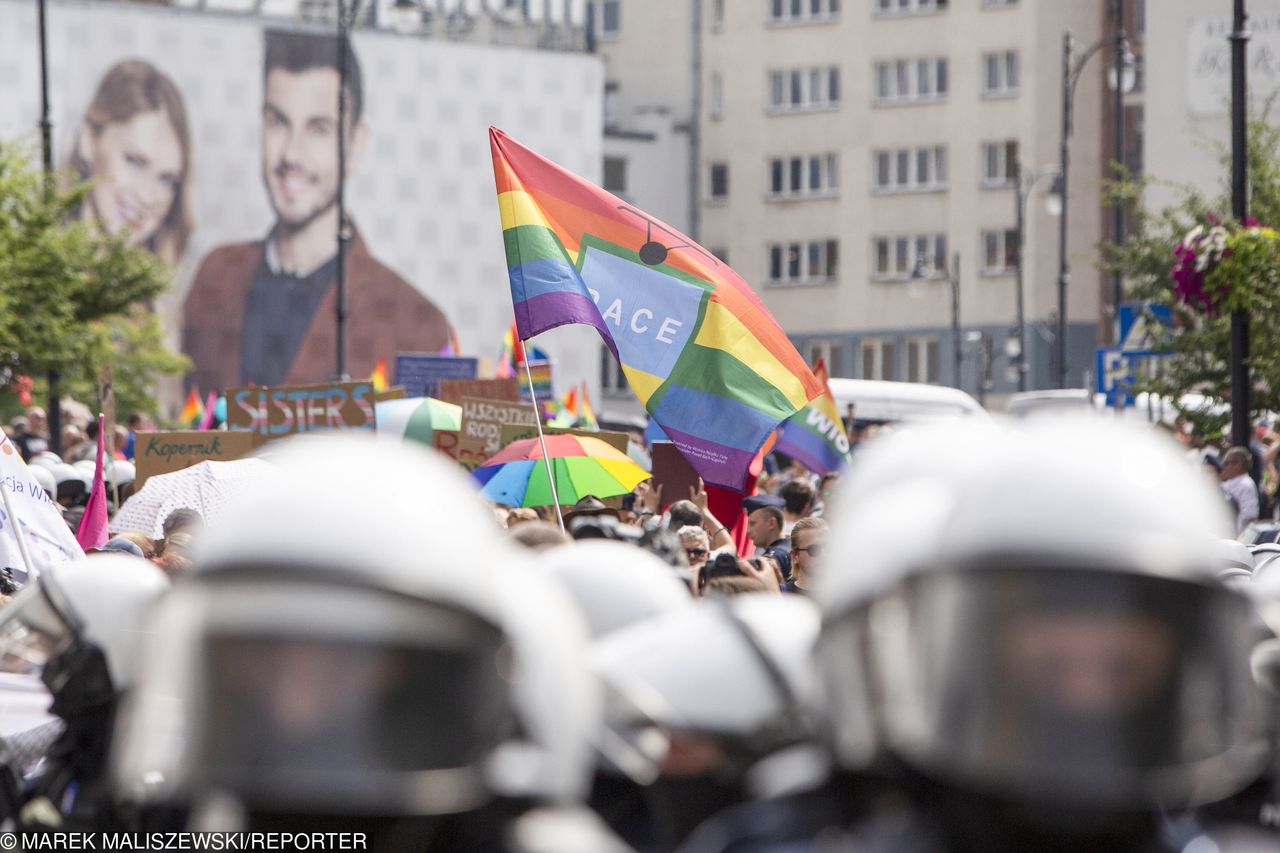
<point>814,550</point>
<point>696,552</point>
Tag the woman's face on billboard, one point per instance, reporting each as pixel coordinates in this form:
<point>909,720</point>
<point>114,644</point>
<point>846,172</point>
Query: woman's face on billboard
<point>136,169</point>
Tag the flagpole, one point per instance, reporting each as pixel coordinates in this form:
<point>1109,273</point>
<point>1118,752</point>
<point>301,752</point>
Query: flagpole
<point>17,533</point>
<point>542,439</point>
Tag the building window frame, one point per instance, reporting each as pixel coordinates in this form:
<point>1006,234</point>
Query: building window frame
<point>998,245</point>
<point>718,183</point>
<point>907,8</point>
<point>614,167</point>
<point>899,81</point>
<point>998,159</point>
<point>923,359</point>
<point>877,359</point>
<point>802,90</point>
<point>803,177</point>
<point>792,13</point>
<point>804,263</point>
<point>607,32</point>
<point>1001,74</point>
<point>903,171</point>
<point>893,256</point>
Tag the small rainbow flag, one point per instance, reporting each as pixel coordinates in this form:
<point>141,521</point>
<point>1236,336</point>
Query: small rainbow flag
<point>815,435</point>
<point>697,346</point>
<point>192,410</point>
<point>379,375</point>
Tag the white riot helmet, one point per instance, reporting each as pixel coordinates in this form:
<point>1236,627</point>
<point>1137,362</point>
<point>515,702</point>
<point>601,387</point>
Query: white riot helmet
<point>45,478</point>
<point>355,640</point>
<point>1034,613</point>
<point>738,670</point>
<point>81,609</point>
<point>614,583</point>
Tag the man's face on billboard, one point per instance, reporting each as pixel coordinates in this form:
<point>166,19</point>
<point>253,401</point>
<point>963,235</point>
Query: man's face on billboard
<point>300,143</point>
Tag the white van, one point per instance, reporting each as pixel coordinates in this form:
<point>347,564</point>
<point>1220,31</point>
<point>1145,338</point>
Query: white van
<point>880,401</point>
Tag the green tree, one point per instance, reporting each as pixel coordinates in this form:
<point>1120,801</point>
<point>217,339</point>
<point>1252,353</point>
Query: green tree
<point>69,293</point>
<point>1200,343</point>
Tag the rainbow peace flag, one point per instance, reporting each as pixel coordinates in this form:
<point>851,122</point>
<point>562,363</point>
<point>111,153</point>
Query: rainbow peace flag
<point>815,435</point>
<point>192,410</point>
<point>697,346</point>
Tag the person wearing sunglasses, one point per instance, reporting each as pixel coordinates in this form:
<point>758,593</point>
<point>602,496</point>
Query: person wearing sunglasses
<point>808,538</point>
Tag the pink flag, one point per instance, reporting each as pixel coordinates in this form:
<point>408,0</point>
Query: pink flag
<point>93,524</point>
<point>210,403</point>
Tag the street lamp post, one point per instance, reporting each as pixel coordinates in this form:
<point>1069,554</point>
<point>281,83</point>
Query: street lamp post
<point>1240,209</point>
<point>1072,66</point>
<point>53,417</point>
<point>923,269</point>
<point>1022,185</point>
<point>346,20</point>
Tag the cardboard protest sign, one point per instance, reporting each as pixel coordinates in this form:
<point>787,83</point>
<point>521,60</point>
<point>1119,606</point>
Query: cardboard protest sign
<point>672,472</point>
<point>453,390</point>
<point>162,452</point>
<point>420,374</point>
<point>49,540</point>
<point>482,422</point>
<point>268,413</point>
<point>446,441</point>
<point>516,432</point>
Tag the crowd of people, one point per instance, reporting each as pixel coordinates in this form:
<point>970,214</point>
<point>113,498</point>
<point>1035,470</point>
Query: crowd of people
<point>979,637</point>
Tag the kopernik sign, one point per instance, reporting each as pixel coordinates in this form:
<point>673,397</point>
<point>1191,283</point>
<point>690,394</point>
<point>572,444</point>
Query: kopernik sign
<point>163,452</point>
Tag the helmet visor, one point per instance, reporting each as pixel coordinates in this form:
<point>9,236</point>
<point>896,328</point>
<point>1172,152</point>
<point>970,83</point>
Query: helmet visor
<point>1084,685</point>
<point>406,713</point>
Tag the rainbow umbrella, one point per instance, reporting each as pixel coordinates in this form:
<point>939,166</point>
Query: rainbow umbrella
<point>517,474</point>
<point>416,418</point>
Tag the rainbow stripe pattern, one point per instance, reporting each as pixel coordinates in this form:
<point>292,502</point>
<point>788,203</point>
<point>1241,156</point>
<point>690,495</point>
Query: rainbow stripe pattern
<point>815,435</point>
<point>697,346</point>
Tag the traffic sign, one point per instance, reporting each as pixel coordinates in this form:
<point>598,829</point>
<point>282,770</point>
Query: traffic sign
<point>1117,371</point>
<point>1135,320</point>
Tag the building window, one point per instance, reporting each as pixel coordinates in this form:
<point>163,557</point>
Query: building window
<point>800,89</point>
<point>879,359</point>
<point>999,251</point>
<point>922,359</point>
<point>612,105</point>
<point>1000,74</point>
<point>719,183</point>
<point>904,81</point>
<point>717,95</point>
<point>717,16</point>
<point>792,178</point>
<point>613,382</point>
<point>999,160</point>
<point>896,257</point>
<point>810,262</point>
<point>615,174</point>
<point>910,170</point>
<point>722,254</point>
<point>803,11</point>
<point>831,352</point>
<point>894,8</point>
<point>998,4</point>
<point>610,18</point>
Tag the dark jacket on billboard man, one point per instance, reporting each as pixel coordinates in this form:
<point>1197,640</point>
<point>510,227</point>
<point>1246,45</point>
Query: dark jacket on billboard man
<point>263,312</point>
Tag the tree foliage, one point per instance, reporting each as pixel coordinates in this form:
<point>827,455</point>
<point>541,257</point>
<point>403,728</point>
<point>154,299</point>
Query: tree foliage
<point>1201,342</point>
<point>70,294</point>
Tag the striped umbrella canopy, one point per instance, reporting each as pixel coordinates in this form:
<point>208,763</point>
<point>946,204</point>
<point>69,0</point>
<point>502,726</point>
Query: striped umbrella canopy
<point>416,418</point>
<point>517,474</point>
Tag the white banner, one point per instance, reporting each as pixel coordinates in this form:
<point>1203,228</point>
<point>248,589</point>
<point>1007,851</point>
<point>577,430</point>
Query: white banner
<point>49,540</point>
<point>1209,60</point>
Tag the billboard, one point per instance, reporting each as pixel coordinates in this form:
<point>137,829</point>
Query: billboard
<point>212,140</point>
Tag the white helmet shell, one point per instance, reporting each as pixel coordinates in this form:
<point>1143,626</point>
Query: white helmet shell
<point>614,583</point>
<point>950,494</point>
<point>341,515</point>
<point>106,597</point>
<point>735,668</point>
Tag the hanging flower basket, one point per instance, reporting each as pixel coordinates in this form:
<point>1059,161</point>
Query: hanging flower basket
<point>1221,267</point>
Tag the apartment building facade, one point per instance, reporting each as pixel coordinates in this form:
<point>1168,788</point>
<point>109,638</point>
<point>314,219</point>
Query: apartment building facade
<point>849,150</point>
